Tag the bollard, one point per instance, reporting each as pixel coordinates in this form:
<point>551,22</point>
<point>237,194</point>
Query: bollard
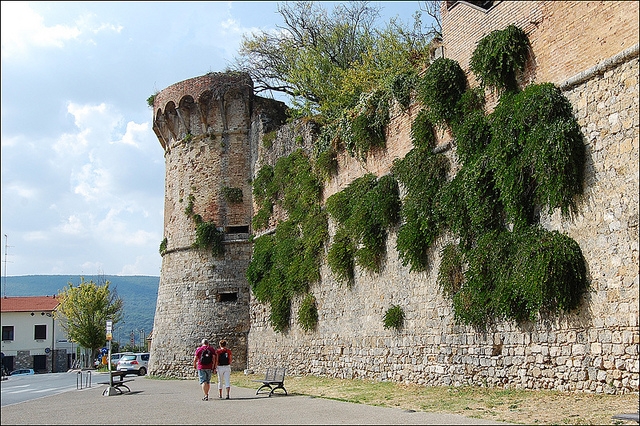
<point>88,381</point>
<point>79,380</point>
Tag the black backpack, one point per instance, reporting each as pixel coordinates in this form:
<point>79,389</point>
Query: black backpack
<point>206,357</point>
<point>223,358</point>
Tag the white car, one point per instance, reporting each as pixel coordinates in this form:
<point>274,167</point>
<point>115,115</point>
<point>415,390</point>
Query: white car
<point>115,357</point>
<point>22,372</point>
<point>134,363</point>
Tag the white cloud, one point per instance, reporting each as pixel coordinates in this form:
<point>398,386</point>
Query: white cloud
<point>22,190</point>
<point>134,133</point>
<point>96,124</point>
<point>91,182</point>
<point>140,267</point>
<point>23,29</point>
<point>73,226</point>
<point>35,236</point>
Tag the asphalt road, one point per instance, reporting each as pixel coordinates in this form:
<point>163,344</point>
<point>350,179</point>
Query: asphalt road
<point>153,401</point>
<point>17,389</point>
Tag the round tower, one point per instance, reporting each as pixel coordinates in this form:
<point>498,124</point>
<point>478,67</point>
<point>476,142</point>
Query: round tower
<point>204,125</point>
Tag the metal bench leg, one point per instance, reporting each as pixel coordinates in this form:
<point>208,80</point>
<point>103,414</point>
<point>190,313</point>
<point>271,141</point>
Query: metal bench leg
<point>266,385</point>
<point>280,386</point>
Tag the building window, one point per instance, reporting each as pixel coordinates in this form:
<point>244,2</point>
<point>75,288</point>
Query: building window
<point>238,229</point>
<point>40,332</point>
<point>7,332</point>
<point>482,4</point>
<point>228,297</point>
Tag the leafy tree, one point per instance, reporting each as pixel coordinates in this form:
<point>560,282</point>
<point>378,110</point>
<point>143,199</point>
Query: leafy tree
<point>325,61</point>
<point>85,310</point>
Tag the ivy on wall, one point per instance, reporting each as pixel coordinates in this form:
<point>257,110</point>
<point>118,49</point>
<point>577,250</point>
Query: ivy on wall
<point>286,262</point>
<point>363,211</point>
<point>524,158</point>
<point>232,195</point>
<point>393,317</point>
<point>499,56</point>
<point>207,234</point>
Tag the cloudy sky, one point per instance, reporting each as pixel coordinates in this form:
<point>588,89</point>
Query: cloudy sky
<point>82,171</point>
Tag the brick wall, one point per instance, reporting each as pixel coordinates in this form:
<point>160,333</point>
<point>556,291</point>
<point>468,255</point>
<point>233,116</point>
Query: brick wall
<point>566,36</point>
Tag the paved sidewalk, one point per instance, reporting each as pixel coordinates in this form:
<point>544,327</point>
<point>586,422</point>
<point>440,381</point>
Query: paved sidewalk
<point>153,401</point>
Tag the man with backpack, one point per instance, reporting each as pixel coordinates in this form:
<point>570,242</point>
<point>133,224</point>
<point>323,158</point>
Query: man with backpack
<point>205,361</point>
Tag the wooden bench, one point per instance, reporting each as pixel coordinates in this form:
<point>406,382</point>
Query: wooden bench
<point>273,379</point>
<point>117,385</point>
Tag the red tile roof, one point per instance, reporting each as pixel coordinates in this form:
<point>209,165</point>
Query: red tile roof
<point>27,304</point>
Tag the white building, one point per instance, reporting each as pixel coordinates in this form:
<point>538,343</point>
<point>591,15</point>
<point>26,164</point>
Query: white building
<point>31,336</point>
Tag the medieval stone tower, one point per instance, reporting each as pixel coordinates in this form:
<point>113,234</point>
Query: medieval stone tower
<point>207,127</point>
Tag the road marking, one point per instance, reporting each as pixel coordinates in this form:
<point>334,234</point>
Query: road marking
<point>47,390</point>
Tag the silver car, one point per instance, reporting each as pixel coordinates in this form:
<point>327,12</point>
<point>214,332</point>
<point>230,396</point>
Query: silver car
<point>134,363</point>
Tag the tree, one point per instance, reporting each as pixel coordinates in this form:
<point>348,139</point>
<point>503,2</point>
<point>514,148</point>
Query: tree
<point>325,61</point>
<point>84,311</point>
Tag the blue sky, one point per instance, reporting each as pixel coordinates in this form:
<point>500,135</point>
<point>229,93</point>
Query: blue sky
<point>82,171</point>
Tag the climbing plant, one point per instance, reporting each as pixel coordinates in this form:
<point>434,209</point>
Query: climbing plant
<point>286,262</point>
<point>308,313</point>
<point>499,56</point>
<point>440,89</point>
<point>207,234</point>
<point>524,158</point>
<point>364,211</point>
<point>394,317</point>
<point>232,195</point>
<point>422,174</point>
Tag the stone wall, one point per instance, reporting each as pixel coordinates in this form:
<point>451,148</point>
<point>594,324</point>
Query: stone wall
<point>594,349</point>
<point>211,130</point>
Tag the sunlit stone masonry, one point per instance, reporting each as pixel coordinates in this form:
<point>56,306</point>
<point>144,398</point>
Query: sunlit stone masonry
<point>211,129</point>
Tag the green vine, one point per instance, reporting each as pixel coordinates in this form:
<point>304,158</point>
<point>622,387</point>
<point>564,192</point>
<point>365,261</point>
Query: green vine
<point>440,89</point>
<point>268,138</point>
<point>207,234</point>
<point>401,86</point>
<point>365,209</point>
<point>151,100</point>
<point>422,174</point>
<point>286,262</point>
<point>499,56</point>
<point>524,158</point>
<point>367,127</point>
<point>393,318</point>
<point>308,313</point>
<point>232,195</point>
<point>163,246</point>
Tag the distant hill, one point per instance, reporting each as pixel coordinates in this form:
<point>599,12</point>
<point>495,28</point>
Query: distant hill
<point>138,292</point>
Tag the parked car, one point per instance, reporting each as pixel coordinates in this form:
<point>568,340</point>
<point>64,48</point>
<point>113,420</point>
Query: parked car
<point>23,372</point>
<point>116,357</point>
<point>134,363</point>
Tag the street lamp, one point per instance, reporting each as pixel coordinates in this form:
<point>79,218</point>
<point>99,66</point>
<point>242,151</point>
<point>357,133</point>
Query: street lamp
<point>142,342</point>
<point>120,327</point>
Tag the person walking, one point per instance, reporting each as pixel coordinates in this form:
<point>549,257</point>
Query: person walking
<point>205,361</point>
<point>224,367</point>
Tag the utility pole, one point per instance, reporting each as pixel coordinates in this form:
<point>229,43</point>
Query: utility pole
<point>6,247</point>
